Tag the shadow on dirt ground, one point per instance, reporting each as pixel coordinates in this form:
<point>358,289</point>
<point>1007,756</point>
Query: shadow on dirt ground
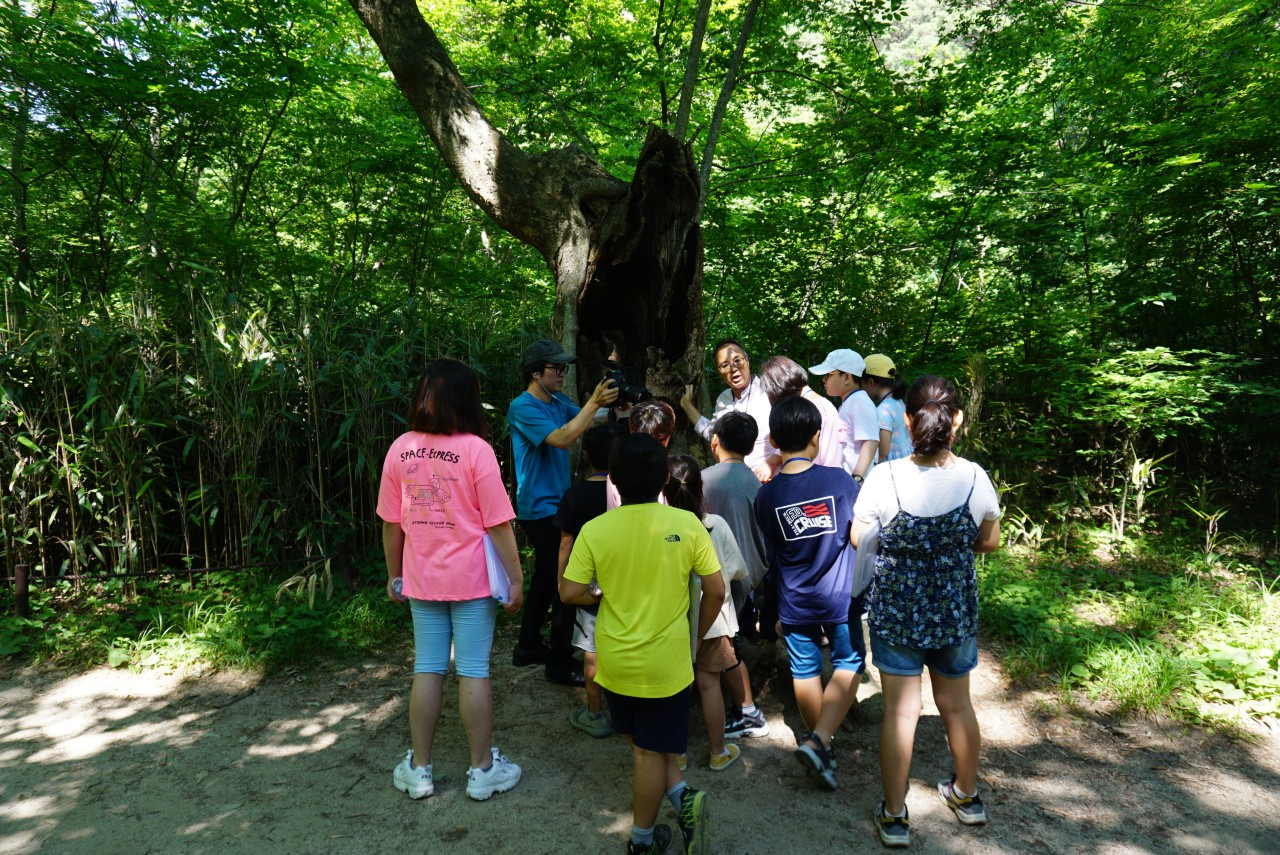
<point>300,762</point>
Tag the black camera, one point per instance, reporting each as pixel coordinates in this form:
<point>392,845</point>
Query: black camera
<point>627,391</point>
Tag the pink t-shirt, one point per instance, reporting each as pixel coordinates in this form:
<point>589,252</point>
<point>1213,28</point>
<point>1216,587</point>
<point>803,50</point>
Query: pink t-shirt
<point>444,491</point>
<point>833,438</point>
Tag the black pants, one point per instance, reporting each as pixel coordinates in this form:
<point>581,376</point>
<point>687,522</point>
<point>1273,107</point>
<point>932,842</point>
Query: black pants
<point>543,596</point>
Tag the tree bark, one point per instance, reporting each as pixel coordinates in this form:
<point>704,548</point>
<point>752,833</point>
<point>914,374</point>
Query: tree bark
<point>627,259</point>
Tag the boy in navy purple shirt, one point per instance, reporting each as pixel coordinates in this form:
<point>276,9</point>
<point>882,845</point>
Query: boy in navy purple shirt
<point>805,514</point>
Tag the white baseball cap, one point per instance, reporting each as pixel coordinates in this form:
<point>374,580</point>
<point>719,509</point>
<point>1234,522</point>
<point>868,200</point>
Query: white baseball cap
<point>844,359</point>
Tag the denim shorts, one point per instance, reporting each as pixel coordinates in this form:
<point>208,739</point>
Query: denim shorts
<point>804,649</point>
<point>953,662</point>
<point>466,625</point>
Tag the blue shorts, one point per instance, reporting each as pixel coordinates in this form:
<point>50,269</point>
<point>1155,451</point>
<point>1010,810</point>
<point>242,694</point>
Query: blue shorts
<point>466,625</point>
<point>804,649</point>
<point>654,724</point>
<point>953,662</point>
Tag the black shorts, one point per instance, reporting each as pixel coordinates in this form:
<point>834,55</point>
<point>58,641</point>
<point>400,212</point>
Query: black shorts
<point>654,724</point>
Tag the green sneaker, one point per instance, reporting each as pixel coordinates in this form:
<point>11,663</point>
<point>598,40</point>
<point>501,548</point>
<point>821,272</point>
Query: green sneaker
<point>593,725</point>
<point>968,809</point>
<point>894,830</point>
<point>693,822</point>
<point>661,843</point>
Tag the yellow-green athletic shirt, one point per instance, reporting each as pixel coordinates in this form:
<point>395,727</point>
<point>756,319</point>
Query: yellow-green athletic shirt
<point>641,556</point>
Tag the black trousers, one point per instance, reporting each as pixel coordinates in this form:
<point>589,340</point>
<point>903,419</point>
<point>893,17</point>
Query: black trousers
<point>543,595</point>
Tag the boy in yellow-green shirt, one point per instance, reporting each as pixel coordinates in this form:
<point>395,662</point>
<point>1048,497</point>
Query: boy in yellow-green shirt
<point>642,555</point>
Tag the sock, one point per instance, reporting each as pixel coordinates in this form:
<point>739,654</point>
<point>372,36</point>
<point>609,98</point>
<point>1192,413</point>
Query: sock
<point>641,836</point>
<point>675,794</point>
<point>962,795</point>
<point>896,815</point>
<point>750,709</point>
<point>725,753</point>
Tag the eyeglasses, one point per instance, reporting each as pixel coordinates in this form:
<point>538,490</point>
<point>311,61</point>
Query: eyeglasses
<point>559,369</point>
<point>833,375</point>
<point>737,362</point>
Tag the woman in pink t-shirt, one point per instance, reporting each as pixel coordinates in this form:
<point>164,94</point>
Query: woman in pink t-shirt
<point>441,492</point>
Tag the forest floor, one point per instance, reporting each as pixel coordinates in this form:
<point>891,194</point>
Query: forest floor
<point>112,761</point>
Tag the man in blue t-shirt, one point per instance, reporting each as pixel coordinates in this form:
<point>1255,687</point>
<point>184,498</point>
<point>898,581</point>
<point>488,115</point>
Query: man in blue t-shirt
<point>544,424</point>
<point>805,514</point>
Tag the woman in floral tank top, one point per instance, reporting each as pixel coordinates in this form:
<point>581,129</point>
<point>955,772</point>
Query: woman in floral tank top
<point>934,511</point>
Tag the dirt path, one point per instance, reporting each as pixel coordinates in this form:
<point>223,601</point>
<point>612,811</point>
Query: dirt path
<point>117,762</point>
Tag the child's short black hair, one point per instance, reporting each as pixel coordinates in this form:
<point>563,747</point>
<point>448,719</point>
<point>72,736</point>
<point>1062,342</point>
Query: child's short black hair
<point>598,442</point>
<point>792,423</point>
<point>638,467</point>
<point>654,417</point>
<point>737,432</point>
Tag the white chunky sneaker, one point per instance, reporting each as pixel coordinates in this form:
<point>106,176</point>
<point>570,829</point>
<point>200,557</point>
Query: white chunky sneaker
<point>414,780</point>
<point>501,776</point>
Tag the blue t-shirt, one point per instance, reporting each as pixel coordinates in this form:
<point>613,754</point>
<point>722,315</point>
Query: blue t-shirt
<point>542,471</point>
<point>892,415</point>
<point>805,520</point>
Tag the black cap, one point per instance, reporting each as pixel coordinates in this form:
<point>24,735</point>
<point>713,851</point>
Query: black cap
<point>545,350</point>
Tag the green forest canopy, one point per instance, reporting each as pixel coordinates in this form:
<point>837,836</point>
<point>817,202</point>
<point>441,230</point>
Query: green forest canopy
<point>230,246</point>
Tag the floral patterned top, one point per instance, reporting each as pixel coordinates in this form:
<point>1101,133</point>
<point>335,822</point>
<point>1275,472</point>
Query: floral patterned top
<point>891,413</point>
<point>925,590</point>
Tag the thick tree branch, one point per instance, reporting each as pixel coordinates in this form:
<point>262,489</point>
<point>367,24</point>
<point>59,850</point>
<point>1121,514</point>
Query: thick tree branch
<point>722,103</point>
<point>691,70</point>
<point>537,198</point>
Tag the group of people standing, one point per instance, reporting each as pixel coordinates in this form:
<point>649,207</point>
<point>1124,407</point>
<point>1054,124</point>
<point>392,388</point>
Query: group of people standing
<point>685,559</point>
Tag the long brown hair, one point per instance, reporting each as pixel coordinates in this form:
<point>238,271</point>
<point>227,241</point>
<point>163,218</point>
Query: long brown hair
<point>932,403</point>
<point>447,401</point>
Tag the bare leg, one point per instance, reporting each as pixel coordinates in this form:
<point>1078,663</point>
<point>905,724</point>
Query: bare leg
<point>708,683</point>
<point>952,697</point>
<point>823,709</point>
<point>424,714</point>
<point>808,693</point>
<point>737,685</point>
<point>648,785</point>
<point>674,775</point>
<point>898,736</point>
<point>475,702</point>
<point>595,698</point>
<point>837,697</point>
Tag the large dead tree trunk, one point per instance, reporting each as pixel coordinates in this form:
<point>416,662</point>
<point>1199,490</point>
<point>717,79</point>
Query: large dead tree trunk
<point>627,259</point>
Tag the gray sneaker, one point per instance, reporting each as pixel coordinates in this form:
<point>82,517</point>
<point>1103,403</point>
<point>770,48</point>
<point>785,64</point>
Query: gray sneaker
<point>750,726</point>
<point>660,846</point>
<point>501,776</point>
<point>895,831</point>
<point>968,809</point>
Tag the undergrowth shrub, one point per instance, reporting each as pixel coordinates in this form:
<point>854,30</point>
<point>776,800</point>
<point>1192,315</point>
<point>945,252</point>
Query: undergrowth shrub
<point>1150,637</point>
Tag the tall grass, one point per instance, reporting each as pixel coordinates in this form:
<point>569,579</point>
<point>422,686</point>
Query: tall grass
<point>247,437</point>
